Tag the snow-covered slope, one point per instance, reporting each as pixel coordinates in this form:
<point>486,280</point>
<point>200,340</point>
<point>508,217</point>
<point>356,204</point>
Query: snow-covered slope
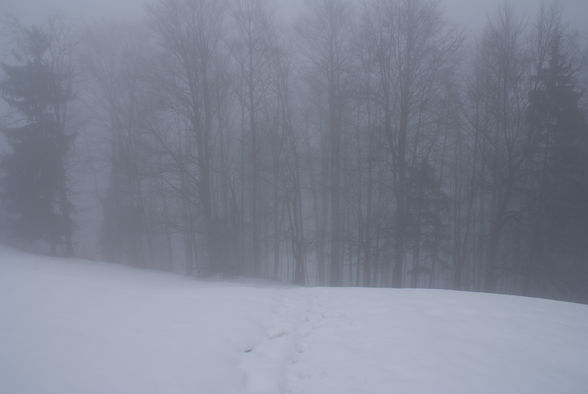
<point>80,327</point>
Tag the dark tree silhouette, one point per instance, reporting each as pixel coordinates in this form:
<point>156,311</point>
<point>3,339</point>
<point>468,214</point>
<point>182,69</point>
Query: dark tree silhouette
<point>34,179</point>
<point>560,196</point>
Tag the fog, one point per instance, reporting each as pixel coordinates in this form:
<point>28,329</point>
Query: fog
<point>387,143</point>
<point>470,13</point>
<point>278,196</point>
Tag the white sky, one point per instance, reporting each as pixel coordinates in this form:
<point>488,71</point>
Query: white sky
<point>470,13</point>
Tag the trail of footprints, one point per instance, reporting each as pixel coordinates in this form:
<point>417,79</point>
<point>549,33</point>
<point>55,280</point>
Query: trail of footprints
<point>294,319</point>
<point>312,321</point>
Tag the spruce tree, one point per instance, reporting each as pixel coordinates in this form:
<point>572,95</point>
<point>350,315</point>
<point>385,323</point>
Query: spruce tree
<point>561,199</point>
<point>34,183</point>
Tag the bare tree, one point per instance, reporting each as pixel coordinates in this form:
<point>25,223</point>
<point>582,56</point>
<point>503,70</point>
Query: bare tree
<point>191,33</point>
<point>324,36</point>
<point>253,50</point>
<point>502,68</point>
<point>415,47</point>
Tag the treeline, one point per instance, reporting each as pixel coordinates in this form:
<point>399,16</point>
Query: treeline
<point>366,144</point>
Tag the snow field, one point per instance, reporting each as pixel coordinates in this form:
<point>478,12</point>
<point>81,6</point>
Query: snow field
<point>69,327</point>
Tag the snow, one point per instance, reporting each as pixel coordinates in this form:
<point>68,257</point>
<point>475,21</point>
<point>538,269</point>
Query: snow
<point>84,327</point>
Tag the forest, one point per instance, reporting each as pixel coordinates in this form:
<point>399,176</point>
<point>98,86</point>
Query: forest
<point>364,143</point>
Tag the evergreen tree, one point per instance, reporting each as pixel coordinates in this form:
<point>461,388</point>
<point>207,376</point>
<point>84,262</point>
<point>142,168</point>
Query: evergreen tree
<point>560,223</point>
<point>33,172</point>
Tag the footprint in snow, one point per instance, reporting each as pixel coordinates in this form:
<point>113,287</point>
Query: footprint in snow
<point>277,335</point>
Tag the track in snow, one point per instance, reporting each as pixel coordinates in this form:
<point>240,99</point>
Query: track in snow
<point>268,363</point>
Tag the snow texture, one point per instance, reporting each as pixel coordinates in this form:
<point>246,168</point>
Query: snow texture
<point>69,327</point>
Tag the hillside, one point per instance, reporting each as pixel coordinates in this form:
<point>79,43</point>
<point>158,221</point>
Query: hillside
<point>69,327</point>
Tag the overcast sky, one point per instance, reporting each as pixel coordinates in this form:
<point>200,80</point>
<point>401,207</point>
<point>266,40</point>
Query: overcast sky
<point>470,13</point>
